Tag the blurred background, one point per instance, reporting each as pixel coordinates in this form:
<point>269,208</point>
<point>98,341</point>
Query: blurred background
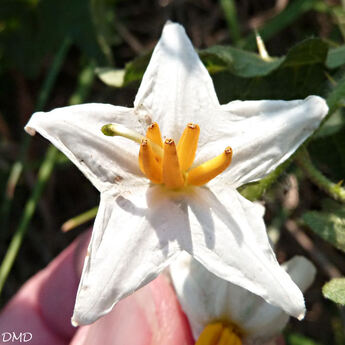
<point>56,53</point>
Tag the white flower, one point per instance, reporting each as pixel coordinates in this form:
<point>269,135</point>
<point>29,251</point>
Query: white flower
<point>141,226</point>
<point>213,304</point>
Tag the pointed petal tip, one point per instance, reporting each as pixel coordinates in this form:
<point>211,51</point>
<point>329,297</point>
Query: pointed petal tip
<point>30,126</point>
<point>30,130</point>
<point>319,104</point>
<point>171,29</point>
<point>301,316</point>
<point>298,308</point>
<point>74,323</point>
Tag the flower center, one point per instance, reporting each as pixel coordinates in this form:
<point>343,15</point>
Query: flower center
<point>220,334</point>
<point>171,165</point>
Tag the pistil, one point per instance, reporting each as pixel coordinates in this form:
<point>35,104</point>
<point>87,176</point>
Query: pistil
<point>115,129</point>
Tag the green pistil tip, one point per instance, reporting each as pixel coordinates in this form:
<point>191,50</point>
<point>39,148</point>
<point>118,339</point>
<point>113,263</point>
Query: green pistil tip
<point>109,130</point>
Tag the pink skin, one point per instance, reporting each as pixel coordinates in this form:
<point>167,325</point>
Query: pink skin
<point>44,305</point>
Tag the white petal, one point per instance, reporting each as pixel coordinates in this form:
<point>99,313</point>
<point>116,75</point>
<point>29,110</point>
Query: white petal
<point>205,298</point>
<point>262,134</point>
<point>229,238</point>
<point>266,321</point>
<point>196,290</point>
<point>176,87</point>
<point>301,270</point>
<point>132,242</point>
<point>76,131</point>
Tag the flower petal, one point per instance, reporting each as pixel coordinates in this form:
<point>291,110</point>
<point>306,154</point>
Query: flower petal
<point>302,272</point>
<point>262,134</point>
<point>206,298</point>
<point>176,87</point>
<point>76,131</point>
<point>229,238</point>
<point>132,242</point>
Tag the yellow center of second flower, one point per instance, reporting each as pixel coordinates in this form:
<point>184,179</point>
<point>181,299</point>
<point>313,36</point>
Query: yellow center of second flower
<point>220,334</point>
<point>170,164</point>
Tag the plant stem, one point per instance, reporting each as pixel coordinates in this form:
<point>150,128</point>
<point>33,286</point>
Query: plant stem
<point>18,166</point>
<point>80,219</point>
<point>316,176</point>
<point>12,251</point>
<point>229,9</point>
<point>84,85</point>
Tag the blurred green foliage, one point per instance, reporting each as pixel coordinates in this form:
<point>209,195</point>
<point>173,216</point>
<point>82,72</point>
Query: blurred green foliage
<point>31,30</point>
<point>298,339</point>
<point>335,290</point>
<point>328,223</point>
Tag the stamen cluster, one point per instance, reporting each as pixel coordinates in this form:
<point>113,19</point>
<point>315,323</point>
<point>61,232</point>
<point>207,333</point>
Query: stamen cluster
<point>168,164</point>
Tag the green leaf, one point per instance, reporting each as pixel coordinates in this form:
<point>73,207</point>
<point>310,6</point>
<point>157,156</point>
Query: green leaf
<point>328,152</point>
<point>299,74</point>
<point>336,97</point>
<point>240,62</point>
<point>253,191</point>
<point>336,57</point>
<point>33,30</point>
<point>308,52</point>
<point>111,76</point>
<point>245,75</point>
<point>298,339</point>
<point>335,290</point>
<point>136,68</point>
<point>328,224</point>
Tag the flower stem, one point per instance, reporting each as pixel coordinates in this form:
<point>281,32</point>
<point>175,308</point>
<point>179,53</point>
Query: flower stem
<point>80,219</point>
<point>84,85</point>
<point>18,166</point>
<point>12,251</point>
<point>230,12</point>
<point>316,176</point>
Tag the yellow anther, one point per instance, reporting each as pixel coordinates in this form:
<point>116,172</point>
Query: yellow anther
<point>211,334</point>
<point>229,337</point>
<point>148,163</point>
<point>210,169</point>
<point>187,146</point>
<point>225,337</point>
<point>172,176</point>
<point>154,134</point>
<point>219,334</point>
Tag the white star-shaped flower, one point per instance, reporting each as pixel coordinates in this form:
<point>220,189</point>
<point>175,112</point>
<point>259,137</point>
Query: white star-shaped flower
<point>148,214</point>
<point>216,308</point>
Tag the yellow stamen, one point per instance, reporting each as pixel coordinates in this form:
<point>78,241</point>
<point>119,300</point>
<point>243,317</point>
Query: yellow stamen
<point>172,176</point>
<point>229,337</point>
<point>154,134</point>
<point>225,337</point>
<point>187,146</point>
<point>147,162</point>
<point>210,169</point>
<point>219,334</point>
<point>211,334</point>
